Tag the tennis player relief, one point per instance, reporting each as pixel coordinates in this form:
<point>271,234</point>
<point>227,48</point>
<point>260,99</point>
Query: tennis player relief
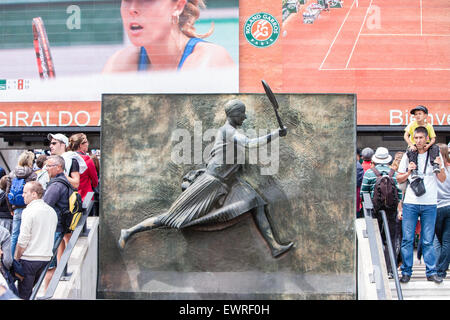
<point>261,30</point>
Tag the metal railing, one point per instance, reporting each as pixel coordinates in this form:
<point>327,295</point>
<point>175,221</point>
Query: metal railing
<point>61,268</point>
<point>392,258</point>
<point>368,210</point>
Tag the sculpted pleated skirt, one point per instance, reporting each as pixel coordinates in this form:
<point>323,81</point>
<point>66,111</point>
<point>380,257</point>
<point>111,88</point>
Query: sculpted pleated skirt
<point>209,200</point>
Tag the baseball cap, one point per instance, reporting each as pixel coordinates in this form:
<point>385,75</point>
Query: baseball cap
<point>419,108</point>
<point>59,137</point>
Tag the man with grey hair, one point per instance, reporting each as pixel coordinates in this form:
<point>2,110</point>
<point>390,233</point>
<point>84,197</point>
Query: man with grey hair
<point>57,196</point>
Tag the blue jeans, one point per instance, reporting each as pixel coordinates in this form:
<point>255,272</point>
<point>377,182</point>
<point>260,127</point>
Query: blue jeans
<point>442,241</point>
<point>17,220</point>
<point>437,247</point>
<point>427,214</point>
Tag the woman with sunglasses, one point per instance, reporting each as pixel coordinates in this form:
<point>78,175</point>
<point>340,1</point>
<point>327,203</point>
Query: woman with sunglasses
<point>163,37</point>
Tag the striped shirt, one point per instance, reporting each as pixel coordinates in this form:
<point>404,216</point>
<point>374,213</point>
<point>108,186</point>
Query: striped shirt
<point>370,178</point>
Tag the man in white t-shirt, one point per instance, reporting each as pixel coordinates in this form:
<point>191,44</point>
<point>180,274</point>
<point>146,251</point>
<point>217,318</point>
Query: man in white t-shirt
<point>35,244</point>
<point>424,206</point>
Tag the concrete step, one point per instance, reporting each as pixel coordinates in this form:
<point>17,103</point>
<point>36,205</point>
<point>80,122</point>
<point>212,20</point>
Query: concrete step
<point>423,294</point>
<point>420,297</point>
<point>422,289</point>
<point>422,285</point>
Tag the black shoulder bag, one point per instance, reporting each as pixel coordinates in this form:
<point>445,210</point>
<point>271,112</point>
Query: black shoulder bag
<point>417,185</point>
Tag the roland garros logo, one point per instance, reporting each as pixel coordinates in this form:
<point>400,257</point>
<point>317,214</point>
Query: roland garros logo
<point>261,30</point>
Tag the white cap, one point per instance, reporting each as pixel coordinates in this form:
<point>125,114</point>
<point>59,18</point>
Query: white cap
<point>59,137</point>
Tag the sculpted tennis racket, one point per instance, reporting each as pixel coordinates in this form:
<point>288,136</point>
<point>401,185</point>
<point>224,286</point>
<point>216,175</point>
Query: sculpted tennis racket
<point>41,46</point>
<point>273,100</point>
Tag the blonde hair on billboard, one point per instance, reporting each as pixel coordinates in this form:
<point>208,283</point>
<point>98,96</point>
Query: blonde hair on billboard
<point>189,16</point>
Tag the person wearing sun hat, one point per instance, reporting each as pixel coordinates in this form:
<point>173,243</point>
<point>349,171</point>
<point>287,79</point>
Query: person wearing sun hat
<point>381,156</point>
<point>381,160</point>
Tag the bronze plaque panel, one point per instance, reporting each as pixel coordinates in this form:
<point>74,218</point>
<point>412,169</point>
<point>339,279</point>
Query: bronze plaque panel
<point>307,179</point>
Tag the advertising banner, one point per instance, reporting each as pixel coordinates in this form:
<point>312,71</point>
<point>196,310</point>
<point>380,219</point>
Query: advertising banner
<point>363,47</point>
<point>50,114</point>
<point>392,61</point>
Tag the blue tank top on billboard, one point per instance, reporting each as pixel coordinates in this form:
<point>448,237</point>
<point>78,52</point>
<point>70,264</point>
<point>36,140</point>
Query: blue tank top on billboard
<point>144,61</point>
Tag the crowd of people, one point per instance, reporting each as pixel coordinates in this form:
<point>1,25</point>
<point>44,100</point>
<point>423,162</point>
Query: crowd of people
<point>34,202</point>
<point>417,202</point>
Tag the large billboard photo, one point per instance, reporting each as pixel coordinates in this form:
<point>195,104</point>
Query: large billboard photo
<point>77,50</point>
<point>392,54</point>
<point>299,46</point>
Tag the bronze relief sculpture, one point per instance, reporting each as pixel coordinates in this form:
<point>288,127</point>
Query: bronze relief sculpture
<point>217,194</point>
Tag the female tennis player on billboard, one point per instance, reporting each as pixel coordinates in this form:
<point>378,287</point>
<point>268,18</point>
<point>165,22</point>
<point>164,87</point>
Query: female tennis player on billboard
<point>164,38</point>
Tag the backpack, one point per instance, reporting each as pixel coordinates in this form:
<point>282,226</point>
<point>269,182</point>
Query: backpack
<point>71,216</point>
<point>15,195</point>
<point>385,195</point>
